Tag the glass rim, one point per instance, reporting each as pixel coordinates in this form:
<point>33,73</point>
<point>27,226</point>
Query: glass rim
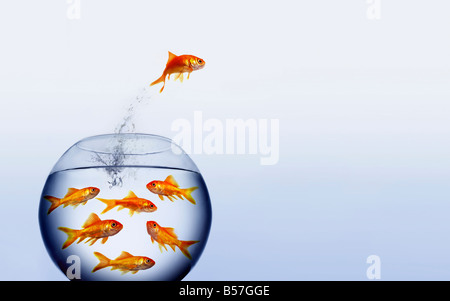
<point>85,145</point>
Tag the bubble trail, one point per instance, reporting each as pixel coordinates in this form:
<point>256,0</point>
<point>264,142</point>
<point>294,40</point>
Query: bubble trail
<point>115,159</point>
<point>127,125</point>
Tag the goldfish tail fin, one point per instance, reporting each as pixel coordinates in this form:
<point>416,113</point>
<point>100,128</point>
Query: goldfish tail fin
<point>72,235</point>
<point>104,261</point>
<point>162,79</point>
<point>55,203</point>
<point>110,204</point>
<point>187,194</point>
<point>184,245</point>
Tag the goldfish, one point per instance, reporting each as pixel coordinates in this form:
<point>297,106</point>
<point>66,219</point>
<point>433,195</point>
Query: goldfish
<point>132,202</point>
<point>94,228</point>
<point>166,236</point>
<point>73,197</point>
<point>178,65</point>
<point>125,263</point>
<point>170,188</point>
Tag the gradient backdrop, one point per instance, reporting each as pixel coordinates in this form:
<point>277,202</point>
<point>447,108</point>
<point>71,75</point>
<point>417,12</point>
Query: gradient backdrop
<point>361,95</point>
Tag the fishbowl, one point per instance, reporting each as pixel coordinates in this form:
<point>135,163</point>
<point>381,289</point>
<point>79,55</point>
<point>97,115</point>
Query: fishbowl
<point>125,207</point>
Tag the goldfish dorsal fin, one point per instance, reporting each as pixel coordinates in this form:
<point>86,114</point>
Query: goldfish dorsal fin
<point>171,56</point>
<point>71,191</point>
<point>131,195</point>
<point>171,232</point>
<point>92,219</point>
<point>172,181</point>
<point>124,255</point>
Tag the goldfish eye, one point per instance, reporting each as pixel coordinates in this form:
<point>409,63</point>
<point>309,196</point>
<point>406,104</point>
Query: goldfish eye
<point>151,206</point>
<point>113,224</point>
<point>153,184</point>
<point>154,225</point>
<point>147,261</point>
<point>200,61</point>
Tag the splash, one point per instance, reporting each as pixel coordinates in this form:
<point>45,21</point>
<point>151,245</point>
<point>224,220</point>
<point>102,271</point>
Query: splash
<point>115,160</point>
<point>127,125</point>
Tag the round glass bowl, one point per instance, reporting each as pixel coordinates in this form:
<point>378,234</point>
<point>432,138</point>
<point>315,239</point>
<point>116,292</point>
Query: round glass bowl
<point>125,207</point>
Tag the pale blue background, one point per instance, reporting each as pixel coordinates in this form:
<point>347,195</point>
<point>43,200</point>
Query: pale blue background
<point>364,126</point>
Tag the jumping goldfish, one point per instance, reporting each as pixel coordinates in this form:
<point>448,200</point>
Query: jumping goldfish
<point>73,197</point>
<point>94,228</point>
<point>170,188</point>
<point>132,202</point>
<point>178,65</point>
<point>125,263</point>
<point>166,236</point>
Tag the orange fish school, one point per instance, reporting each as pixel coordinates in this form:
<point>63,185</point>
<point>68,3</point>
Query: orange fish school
<point>94,228</point>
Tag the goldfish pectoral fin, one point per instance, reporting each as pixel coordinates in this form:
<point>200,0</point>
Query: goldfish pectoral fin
<point>131,212</point>
<point>134,272</point>
<point>189,73</point>
<point>162,246</point>
<point>181,77</point>
<point>93,242</point>
<point>104,239</point>
<point>178,76</point>
<point>161,197</point>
